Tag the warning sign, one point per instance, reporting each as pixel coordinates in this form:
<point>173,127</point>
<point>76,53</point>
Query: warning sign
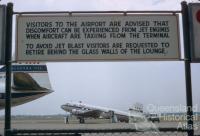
<point>194,16</point>
<point>97,37</point>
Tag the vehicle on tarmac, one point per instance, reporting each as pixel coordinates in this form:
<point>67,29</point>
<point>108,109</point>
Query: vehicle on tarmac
<point>153,117</point>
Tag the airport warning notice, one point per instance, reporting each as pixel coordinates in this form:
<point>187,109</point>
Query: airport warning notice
<point>97,37</point>
<point>194,16</point>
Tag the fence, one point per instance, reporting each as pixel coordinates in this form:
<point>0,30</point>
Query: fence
<point>99,132</point>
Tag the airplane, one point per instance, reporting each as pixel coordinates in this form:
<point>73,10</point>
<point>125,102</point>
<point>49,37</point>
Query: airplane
<point>29,82</point>
<point>82,111</point>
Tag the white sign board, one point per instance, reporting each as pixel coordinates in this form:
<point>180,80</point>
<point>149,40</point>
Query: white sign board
<point>2,33</point>
<point>194,15</point>
<point>97,37</point>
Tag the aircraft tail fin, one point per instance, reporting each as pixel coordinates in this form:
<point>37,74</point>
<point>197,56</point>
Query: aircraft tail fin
<point>24,81</point>
<point>29,77</point>
<point>137,107</point>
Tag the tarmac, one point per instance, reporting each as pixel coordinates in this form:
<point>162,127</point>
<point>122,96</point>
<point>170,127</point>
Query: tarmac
<point>99,124</point>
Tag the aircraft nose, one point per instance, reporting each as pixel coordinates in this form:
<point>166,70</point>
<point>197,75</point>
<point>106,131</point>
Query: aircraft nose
<point>63,106</point>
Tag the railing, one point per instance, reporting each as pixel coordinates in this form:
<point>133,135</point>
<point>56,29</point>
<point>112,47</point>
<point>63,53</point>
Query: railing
<point>100,132</point>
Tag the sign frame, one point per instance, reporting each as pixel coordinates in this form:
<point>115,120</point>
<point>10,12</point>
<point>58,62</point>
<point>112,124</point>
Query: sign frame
<point>2,33</point>
<point>193,56</point>
<point>105,14</point>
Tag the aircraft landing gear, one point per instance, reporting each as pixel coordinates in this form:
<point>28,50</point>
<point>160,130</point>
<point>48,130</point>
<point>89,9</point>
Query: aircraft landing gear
<point>81,120</point>
<point>113,117</point>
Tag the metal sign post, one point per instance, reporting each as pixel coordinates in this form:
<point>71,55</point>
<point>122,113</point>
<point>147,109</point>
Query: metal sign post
<point>186,38</point>
<point>8,69</point>
<point>2,33</point>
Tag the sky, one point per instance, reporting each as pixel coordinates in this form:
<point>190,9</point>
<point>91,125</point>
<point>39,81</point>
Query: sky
<point>111,84</point>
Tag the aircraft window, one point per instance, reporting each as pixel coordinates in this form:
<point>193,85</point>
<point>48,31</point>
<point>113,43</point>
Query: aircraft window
<point>2,77</point>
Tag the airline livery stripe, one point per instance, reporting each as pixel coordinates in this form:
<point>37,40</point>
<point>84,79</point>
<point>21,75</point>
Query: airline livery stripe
<point>26,68</point>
